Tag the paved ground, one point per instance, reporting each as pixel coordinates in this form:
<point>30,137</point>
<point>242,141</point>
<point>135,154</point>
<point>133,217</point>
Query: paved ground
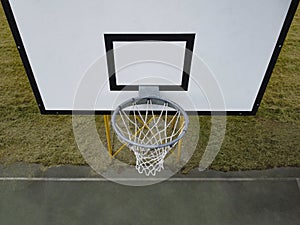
<point>67,195</point>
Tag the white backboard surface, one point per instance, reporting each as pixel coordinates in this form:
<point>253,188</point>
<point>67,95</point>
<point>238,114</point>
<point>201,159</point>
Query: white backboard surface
<point>235,47</point>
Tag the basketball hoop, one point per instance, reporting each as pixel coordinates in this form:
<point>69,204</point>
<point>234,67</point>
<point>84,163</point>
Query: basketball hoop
<point>150,127</point>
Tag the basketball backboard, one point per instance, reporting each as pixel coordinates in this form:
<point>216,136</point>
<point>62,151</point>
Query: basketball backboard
<point>100,51</point>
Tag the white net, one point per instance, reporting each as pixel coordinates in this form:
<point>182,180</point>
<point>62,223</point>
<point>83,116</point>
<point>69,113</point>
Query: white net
<point>150,127</point>
<point>150,161</point>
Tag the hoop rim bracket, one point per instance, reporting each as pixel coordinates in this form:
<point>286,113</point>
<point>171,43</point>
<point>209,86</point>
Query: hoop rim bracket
<point>148,90</point>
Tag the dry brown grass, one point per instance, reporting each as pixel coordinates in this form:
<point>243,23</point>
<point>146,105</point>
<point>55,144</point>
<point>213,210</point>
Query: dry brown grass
<point>270,139</point>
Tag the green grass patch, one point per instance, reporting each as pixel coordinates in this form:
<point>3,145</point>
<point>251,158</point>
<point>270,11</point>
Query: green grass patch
<point>269,139</point>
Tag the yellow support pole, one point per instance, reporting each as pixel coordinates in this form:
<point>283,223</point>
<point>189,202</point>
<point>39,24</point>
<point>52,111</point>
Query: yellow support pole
<point>107,131</point>
<point>120,149</point>
<point>179,150</point>
<point>180,141</point>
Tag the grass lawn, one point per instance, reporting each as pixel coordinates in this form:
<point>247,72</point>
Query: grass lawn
<point>269,139</point>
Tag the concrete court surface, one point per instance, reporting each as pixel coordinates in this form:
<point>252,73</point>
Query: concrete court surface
<point>71,195</point>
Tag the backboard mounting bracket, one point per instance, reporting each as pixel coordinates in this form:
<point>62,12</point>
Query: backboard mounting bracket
<point>148,90</point>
